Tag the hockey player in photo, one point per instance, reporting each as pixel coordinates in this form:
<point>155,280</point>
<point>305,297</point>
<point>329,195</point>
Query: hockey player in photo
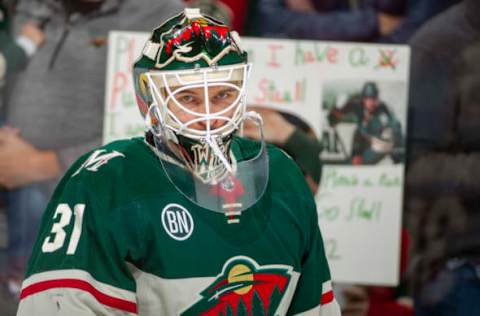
<point>378,134</point>
<point>190,219</point>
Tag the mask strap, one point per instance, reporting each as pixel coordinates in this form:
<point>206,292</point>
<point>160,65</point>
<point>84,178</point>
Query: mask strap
<point>148,119</point>
<point>257,119</point>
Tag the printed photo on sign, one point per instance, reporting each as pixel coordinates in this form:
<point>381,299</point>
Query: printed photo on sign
<point>364,122</point>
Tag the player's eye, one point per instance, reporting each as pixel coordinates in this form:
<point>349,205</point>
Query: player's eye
<point>186,99</point>
<point>225,95</point>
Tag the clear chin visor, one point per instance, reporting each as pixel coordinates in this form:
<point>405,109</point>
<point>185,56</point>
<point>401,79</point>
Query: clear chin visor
<point>225,179</point>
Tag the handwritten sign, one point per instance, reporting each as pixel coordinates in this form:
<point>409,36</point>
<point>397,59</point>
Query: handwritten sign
<point>277,82</point>
<point>122,117</point>
<point>359,207</point>
<point>360,216</point>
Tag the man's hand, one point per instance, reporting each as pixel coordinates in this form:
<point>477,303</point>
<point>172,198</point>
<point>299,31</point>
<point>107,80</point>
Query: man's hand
<point>276,129</point>
<point>21,163</point>
<point>388,23</point>
<point>33,33</point>
<point>356,301</point>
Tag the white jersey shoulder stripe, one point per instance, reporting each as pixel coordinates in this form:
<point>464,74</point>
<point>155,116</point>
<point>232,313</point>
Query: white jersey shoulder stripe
<point>78,279</point>
<point>326,287</point>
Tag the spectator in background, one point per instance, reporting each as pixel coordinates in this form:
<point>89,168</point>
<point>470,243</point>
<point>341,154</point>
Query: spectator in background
<point>417,13</point>
<point>358,20</point>
<point>432,106</point>
<point>295,137</point>
<point>14,52</point>
<point>328,19</point>
<point>230,12</point>
<point>442,196</point>
<point>56,104</point>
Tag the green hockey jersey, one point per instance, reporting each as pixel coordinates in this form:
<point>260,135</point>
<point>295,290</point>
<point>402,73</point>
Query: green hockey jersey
<point>117,238</point>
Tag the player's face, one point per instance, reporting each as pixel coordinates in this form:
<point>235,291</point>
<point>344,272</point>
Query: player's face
<point>194,99</point>
<point>370,103</point>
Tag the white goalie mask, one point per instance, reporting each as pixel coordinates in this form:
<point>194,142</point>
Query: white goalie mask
<point>191,90</point>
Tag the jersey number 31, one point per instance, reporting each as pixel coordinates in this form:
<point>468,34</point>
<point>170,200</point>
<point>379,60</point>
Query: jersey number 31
<point>56,239</point>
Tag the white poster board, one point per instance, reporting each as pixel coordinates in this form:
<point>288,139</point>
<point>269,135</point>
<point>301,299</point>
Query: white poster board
<point>359,207</point>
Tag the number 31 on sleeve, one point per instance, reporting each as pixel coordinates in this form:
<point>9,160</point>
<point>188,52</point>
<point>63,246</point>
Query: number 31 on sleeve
<point>56,239</point>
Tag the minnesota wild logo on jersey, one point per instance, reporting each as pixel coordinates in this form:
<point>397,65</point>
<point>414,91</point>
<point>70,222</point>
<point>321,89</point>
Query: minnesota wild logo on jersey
<point>97,159</point>
<point>243,288</point>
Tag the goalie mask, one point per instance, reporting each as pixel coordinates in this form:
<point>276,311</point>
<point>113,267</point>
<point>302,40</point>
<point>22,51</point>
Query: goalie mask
<point>190,88</point>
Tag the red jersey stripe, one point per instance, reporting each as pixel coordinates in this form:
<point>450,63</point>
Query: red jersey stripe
<point>327,298</point>
<point>103,298</point>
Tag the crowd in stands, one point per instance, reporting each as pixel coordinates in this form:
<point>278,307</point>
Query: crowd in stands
<point>52,72</point>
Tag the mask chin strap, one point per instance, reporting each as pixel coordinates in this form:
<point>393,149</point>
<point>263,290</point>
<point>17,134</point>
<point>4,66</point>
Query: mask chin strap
<point>257,119</point>
<point>153,122</point>
<point>148,118</point>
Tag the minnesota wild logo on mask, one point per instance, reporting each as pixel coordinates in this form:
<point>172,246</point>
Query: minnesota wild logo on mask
<point>202,160</point>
